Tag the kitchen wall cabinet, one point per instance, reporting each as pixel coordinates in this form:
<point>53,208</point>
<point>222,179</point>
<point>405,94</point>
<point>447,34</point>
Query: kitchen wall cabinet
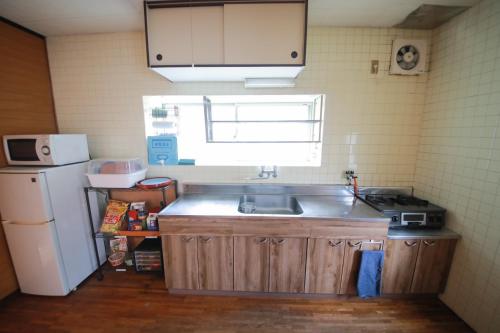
<point>324,265</point>
<point>271,33</point>
<point>433,264</point>
<point>183,36</point>
<point>226,41</point>
<point>352,260</point>
<point>181,261</point>
<point>417,266</point>
<point>287,264</point>
<point>251,263</point>
<point>215,262</point>
<point>399,265</point>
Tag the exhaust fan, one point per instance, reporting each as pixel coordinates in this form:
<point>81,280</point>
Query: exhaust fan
<point>409,57</point>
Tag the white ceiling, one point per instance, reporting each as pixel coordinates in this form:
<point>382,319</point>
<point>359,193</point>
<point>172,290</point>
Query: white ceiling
<point>66,17</point>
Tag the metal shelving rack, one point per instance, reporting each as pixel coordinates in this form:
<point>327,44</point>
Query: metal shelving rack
<point>124,233</point>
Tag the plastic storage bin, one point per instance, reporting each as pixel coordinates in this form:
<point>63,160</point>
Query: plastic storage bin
<point>147,256</point>
<point>116,173</point>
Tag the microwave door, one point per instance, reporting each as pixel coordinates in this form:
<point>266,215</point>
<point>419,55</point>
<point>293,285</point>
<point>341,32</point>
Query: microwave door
<point>22,150</point>
<point>25,197</point>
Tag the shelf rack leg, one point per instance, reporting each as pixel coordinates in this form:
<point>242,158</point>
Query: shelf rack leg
<point>100,275</point>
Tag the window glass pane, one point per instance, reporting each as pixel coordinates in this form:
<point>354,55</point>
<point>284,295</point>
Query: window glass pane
<point>262,132</point>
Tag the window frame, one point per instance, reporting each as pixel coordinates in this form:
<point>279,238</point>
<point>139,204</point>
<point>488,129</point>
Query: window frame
<point>313,108</point>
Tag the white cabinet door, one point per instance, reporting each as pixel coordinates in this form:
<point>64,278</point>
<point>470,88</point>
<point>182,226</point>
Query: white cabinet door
<point>186,36</point>
<point>169,36</point>
<point>264,33</point>
<point>208,35</point>
<point>36,258</point>
<point>25,198</point>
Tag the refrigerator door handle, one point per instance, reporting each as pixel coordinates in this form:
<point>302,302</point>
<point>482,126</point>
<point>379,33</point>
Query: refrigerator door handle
<point>30,224</point>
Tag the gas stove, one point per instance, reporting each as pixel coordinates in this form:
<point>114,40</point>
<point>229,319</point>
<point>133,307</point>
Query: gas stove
<point>404,209</point>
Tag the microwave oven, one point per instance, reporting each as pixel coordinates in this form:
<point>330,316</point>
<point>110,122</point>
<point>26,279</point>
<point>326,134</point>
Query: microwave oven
<point>45,149</point>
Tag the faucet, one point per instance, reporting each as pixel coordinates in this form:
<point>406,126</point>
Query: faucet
<point>266,172</point>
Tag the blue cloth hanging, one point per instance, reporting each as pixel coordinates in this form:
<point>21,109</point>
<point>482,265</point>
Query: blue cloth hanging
<point>370,273</point>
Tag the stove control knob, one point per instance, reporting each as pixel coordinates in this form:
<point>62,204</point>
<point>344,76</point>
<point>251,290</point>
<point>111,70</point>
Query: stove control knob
<point>395,218</point>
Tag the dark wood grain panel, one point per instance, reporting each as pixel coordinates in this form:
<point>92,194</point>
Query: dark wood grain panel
<point>251,263</point>
<point>399,265</point>
<point>26,106</point>
<point>324,265</point>
<point>181,261</point>
<point>215,262</point>
<point>433,265</point>
<point>287,264</point>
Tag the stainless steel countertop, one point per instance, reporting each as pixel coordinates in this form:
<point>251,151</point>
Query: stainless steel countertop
<point>425,233</point>
<point>346,208</point>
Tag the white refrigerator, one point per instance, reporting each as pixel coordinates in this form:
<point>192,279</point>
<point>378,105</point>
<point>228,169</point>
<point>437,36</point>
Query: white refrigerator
<point>45,220</point>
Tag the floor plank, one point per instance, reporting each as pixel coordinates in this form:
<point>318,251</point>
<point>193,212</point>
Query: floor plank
<point>130,302</point>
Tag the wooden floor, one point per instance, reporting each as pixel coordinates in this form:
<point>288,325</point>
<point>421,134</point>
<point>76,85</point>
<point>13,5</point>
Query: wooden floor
<point>129,302</point>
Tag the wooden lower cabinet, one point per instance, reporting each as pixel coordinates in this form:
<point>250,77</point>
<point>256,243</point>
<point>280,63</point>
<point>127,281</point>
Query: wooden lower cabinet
<point>324,265</point>
<point>399,265</point>
<point>251,263</point>
<point>181,260</point>
<point>352,260</point>
<point>433,265</point>
<point>417,266</point>
<point>287,264</point>
<point>215,262</point>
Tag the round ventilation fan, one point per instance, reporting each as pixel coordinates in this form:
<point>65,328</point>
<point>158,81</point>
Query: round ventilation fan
<point>407,57</point>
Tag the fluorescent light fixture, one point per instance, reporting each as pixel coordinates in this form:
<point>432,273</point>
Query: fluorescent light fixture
<point>270,83</point>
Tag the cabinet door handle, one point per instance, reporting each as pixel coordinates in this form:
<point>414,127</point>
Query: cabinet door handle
<point>294,54</point>
<point>351,244</point>
<point>429,243</point>
<point>187,239</point>
<point>410,243</point>
<point>206,239</point>
<point>159,57</point>
<point>334,244</point>
<point>278,241</point>
<point>261,240</point>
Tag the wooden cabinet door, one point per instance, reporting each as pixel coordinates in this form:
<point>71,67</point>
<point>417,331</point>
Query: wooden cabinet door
<point>215,262</point>
<point>180,257</point>
<point>432,267</point>
<point>251,263</point>
<point>352,260</point>
<point>324,265</point>
<point>169,36</point>
<point>264,33</point>
<point>399,265</point>
<point>287,264</point>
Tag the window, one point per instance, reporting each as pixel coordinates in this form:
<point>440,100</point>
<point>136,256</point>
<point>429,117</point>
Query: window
<point>283,130</point>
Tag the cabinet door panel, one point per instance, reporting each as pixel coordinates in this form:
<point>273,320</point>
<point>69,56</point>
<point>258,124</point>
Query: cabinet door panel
<point>352,260</point>
<point>399,265</point>
<point>180,257</point>
<point>287,264</point>
<point>208,35</point>
<point>251,264</point>
<point>433,264</point>
<point>264,33</point>
<point>169,34</point>
<point>324,265</point>
<point>215,262</point>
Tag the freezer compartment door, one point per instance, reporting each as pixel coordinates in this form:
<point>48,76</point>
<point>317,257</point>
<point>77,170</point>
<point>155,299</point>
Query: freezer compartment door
<point>36,257</point>
<point>24,197</point>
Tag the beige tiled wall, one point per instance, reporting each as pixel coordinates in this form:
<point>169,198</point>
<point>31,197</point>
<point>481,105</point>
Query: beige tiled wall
<point>459,157</point>
<point>372,121</point>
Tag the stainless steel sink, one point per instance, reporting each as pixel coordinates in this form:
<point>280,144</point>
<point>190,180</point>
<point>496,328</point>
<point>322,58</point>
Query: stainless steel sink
<point>269,204</point>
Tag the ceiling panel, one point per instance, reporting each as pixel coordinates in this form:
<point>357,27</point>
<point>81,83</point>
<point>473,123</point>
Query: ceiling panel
<point>66,17</point>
